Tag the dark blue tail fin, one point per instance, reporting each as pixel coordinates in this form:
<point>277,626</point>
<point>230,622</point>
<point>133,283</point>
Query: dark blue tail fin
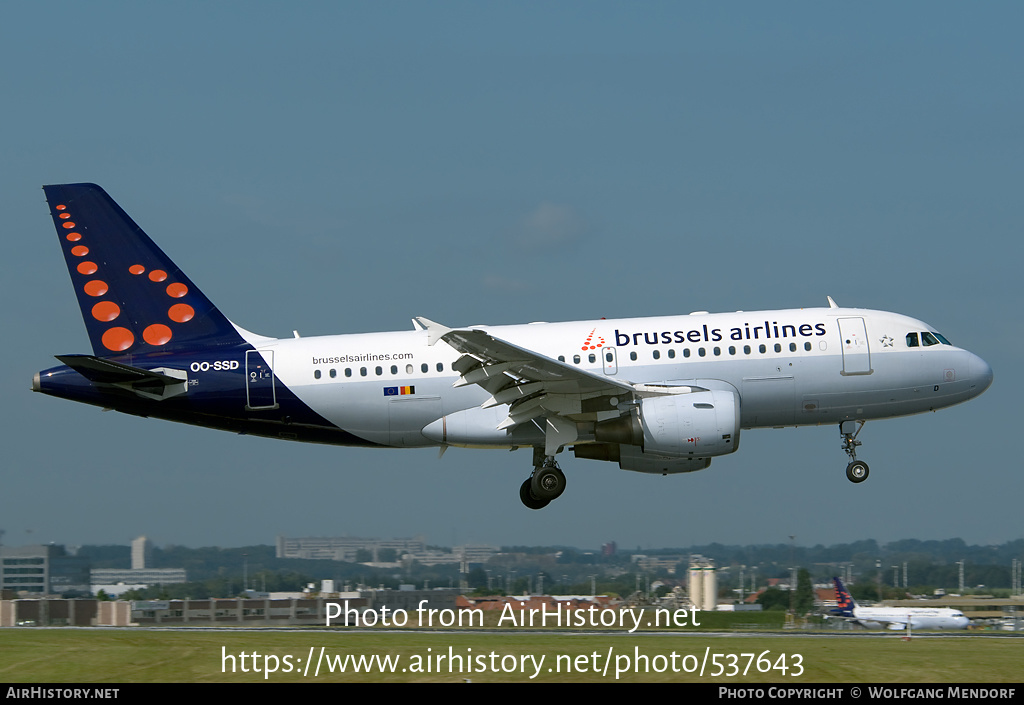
<point>844,601</point>
<point>134,299</point>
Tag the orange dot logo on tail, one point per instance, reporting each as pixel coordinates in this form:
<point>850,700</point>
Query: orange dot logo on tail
<point>180,313</point>
<point>106,311</point>
<point>176,290</point>
<point>156,334</point>
<point>118,339</point>
<point>96,287</point>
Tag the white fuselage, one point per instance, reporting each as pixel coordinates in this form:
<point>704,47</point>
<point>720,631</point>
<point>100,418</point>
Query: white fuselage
<point>788,367</point>
<point>918,618</point>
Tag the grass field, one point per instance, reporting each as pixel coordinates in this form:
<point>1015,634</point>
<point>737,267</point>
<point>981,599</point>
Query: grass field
<point>68,655</point>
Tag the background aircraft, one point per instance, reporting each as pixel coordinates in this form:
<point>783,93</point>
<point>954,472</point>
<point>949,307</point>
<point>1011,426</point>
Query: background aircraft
<point>895,618</point>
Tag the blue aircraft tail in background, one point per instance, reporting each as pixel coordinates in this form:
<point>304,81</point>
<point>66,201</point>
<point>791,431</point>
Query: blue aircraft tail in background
<point>844,601</point>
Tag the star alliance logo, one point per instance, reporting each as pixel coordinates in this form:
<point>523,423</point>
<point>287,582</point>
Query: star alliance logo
<point>886,341</point>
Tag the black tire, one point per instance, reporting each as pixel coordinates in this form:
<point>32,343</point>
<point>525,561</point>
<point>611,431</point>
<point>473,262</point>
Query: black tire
<point>547,483</point>
<point>527,498</point>
<point>857,471</point>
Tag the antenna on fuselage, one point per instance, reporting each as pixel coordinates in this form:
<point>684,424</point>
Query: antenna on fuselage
<point>831,303</point>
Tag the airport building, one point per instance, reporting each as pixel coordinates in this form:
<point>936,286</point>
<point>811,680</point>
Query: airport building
<point>114,581</point>
<point>347,548</point>
<point>369,605</point>
<point>43,570</point>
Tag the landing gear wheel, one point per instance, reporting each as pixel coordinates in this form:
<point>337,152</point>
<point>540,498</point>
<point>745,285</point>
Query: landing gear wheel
<point>857,471</point>
<point>547,483</point>
<point>527,496</point>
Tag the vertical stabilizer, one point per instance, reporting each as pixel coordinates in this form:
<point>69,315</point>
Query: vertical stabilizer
<point>844,601</point>
<point>134,299</point>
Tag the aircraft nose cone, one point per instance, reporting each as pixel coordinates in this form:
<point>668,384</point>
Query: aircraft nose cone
<point>981,374</point>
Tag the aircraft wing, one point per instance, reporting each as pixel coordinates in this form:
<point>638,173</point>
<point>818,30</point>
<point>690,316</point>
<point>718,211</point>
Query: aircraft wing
<point>534,385</point>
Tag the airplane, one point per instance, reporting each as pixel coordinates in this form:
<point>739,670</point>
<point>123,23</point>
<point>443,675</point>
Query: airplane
<point>895,618</point>
<point>655,395</point>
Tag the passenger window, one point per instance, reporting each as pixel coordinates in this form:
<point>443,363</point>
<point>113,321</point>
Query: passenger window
<point>778,347</point>
<point>762,348</point>
<point>608,356</point>
<point>561,358</point>
<point>362,371</point>
<point>632,356</point>
<point>316,374</point>
<point>657,354</point>
<point>732,349</point>
<point>348,371</point>
<point>792,347</point>
<point>334,373</point>
<point>746,349</point>
<point>575,359</point>
<point>928,339</point>
<point>592,357</point>
<point>379,371</point>
<point>394,369</point>
<point>440,367</point>
<point>686,352</point>
<point>408,369</point>
<point>807,347</point>
<point>424,368</point>
<point>912,340</point>
<point>702,352</point>
<point>672,353</point>
<point>718,351</point>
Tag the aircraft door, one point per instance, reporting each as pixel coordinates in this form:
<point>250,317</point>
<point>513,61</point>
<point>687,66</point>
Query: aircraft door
<point>259,380</point>
<point>856,353</point>
<point>610,361</point>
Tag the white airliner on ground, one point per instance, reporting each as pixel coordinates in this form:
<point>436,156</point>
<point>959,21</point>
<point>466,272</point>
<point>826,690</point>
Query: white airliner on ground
<point>896,618</point>
<point>656,395</point>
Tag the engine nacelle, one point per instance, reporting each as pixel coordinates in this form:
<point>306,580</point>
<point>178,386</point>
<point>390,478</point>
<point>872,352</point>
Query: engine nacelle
<point>691,426</point>
<point>635,459</point>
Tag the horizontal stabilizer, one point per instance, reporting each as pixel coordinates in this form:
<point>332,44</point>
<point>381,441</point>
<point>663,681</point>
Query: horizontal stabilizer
<point>158,384</point>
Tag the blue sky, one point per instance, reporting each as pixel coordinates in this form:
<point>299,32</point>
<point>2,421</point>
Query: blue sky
<point>341,167</point>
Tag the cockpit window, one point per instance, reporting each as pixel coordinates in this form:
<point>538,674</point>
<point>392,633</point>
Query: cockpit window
<point>942,339</point>
<point>928,339</point>
<point>912,340</point>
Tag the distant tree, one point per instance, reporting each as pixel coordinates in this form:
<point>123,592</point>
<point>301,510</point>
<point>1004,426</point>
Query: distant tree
<point>477,578</point>
<point>804,600</point>
<point>774,599</point>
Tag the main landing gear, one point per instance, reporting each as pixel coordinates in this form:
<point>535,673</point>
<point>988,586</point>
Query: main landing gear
<point>857,470</point>
<point>545,484</point>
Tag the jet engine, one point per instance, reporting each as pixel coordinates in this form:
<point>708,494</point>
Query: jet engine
<point>669,434</point>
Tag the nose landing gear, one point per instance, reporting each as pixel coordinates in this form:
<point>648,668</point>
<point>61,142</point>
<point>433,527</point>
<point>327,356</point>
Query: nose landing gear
<point>857,470</point>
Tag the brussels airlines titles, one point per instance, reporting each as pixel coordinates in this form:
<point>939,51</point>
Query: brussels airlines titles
<point>714,335</point>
